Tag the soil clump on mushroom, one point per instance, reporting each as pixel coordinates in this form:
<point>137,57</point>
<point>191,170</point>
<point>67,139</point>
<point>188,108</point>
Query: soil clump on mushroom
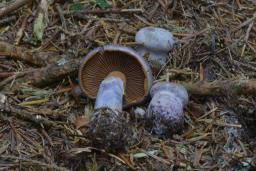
<point>109,129</point>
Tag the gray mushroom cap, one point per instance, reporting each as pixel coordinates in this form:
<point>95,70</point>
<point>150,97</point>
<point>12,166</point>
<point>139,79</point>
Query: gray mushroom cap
<point>156,42</point>
<point>155,39</point>
<point>175,88</point>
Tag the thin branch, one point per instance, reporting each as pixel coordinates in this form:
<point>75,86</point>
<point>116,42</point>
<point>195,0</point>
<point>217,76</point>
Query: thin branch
<point>24,54</point>
<point>45,76</point>
<point>35,162</point>
<point>222,87</point>
<point>107,11</point>
<point>12,7</point>
<point>25,115</point>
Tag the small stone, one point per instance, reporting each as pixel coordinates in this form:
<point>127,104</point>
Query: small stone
<point>2,101</point>
<point>2,98</point>
<point>139,112</point>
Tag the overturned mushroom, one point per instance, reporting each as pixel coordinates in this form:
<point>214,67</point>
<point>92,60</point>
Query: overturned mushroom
<point>116,76</point>
<point>165,111</point>
<point>156,42</point>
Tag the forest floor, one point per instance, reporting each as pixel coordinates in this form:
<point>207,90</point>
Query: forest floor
<point>43,119</point>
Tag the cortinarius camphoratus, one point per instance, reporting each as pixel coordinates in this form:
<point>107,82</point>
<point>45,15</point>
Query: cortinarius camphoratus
<point>116,76</point>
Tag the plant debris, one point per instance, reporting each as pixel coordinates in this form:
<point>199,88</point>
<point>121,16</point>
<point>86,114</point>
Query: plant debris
<point>213,57</point>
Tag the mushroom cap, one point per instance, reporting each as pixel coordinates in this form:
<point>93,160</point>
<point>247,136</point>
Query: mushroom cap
<point>165,110</point>
<point>97,65</point>
<point>155,39</point>
<point>175,88</point>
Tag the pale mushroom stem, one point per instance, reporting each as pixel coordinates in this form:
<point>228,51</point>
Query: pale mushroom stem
<point>156,58</point>
<point>111,91</point>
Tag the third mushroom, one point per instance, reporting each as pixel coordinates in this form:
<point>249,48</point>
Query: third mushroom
<point>165,111</point>
<point>116,76</point>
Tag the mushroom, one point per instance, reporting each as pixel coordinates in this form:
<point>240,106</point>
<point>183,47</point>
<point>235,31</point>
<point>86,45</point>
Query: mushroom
<point>117,77</point>
<point>165,110</point>
<point>156,42</point>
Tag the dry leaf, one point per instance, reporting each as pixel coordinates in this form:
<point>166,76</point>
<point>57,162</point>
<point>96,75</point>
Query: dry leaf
<point>81,121</point>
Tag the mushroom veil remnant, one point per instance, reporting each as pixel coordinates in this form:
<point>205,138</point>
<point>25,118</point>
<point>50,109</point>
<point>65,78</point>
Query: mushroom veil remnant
<point>116,76</point>
<point>165,111</point>
<point>156,43</point>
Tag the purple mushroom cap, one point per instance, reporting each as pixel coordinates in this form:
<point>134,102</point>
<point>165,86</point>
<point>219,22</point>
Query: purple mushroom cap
<point>155,39</point>
<point>176,88</point>
<point>157,42</point>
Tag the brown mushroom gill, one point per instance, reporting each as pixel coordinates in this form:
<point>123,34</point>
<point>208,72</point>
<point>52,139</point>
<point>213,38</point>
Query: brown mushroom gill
<point>109,61</point>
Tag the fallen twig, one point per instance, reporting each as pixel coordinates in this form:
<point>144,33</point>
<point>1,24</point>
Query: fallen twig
<point>220,123</point>
<point>25,115</point>
<point>82,14</point>
<point>247,36</point>
<point>107,11</point>
<point>24,54</point>
<point>34,162</point>
<point>11,78</point>
<point>222,87</point>
<point>245,23</point>
<point>12,7</point>
<point>47,75</point>
<point>54,72</point>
